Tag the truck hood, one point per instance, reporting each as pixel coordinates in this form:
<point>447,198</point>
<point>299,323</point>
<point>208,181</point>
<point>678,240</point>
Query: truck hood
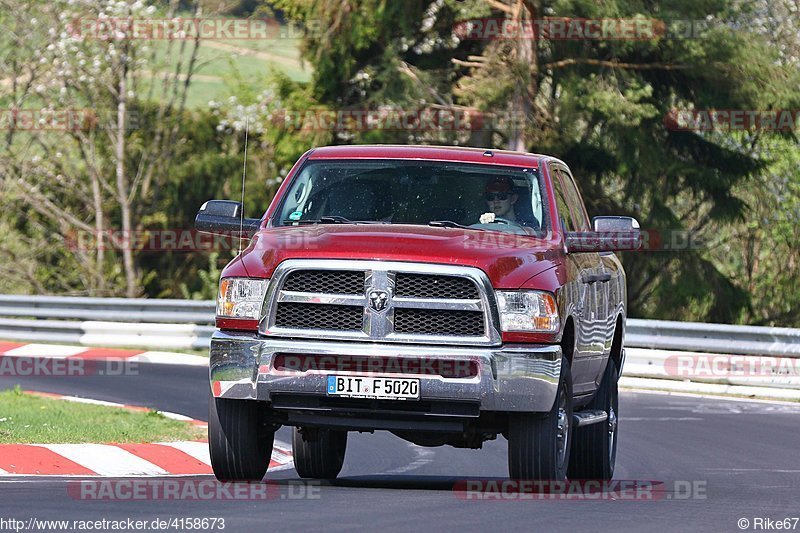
<point>509,260</point>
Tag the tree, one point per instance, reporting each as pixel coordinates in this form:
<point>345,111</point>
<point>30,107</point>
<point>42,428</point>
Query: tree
<point>100,160</point>
<point>600,104</point>
<point>759,254</point>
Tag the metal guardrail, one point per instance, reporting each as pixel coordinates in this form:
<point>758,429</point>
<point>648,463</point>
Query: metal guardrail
<point>134,322</point>
<point>108,309</point>
<point>154,323</point>
<point>712,338</point>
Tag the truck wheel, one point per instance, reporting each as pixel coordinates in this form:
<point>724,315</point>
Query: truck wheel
<point>239,439</point>
<point>318,453</point>
<point>594,447</point>
<point>539,443</point>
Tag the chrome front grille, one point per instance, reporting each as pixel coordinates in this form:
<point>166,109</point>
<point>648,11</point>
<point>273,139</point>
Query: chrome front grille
<point>438,322</point>
<point>435,286</point>
<point>380,301</point>
<point>337,317</point>
<point>325,281</point>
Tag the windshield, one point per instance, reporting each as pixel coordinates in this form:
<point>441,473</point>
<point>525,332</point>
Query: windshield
<point>477,196</point>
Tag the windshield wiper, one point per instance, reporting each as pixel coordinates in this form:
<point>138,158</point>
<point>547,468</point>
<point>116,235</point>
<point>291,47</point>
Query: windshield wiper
<point>450,224</point>
<point>331,219</point>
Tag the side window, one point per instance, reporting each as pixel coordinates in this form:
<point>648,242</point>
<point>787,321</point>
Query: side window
<point>564,215</point>
<point>580,218</point>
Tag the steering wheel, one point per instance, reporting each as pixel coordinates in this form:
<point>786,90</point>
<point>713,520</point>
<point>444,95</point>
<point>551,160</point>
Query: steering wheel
<point>507,222</point>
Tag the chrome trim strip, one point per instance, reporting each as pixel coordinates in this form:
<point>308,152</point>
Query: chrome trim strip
<point>438,304</point>
<point>319,298</point>
<point>587,418</point>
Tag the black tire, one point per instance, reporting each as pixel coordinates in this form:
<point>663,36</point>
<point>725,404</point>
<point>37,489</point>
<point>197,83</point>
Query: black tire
<point>539,443</point>
<point>594,447</point>
<point>239,439</point>
<point>318,453</point>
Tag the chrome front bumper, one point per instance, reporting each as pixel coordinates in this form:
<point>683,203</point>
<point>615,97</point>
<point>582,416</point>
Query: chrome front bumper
<point>517,377</point>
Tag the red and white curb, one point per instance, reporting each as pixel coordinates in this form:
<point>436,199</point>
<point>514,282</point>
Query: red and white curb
<point>58,351</point>
<point>119,460</point>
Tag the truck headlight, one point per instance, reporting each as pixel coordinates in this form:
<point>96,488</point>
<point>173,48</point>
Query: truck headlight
<point>534,311</point>
<point>241,297</point>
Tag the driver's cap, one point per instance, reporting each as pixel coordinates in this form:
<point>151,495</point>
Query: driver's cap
<point>500,184</point>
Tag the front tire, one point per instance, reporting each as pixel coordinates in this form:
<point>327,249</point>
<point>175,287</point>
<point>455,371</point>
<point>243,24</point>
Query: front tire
<point>318,453</point>
<point>594,447</point>
<point>539,443</point>
<point>239,439</point>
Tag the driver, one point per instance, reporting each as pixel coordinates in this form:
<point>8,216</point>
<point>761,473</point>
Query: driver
<point>500,197</point>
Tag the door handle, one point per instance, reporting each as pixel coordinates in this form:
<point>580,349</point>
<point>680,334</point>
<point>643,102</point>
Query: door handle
<point>594,278</point>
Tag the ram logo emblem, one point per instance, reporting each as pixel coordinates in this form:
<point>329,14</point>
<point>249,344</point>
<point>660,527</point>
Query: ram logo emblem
<point>378,300</point>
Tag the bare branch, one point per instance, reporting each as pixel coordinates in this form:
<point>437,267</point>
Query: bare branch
<point>470,64</point>
<point>501,6</point>
<point>45,207</point>
<point>406,69</point>
<point>614,64</point>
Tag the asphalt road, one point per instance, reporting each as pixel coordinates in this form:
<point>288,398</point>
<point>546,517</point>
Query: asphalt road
<point>714,462</point>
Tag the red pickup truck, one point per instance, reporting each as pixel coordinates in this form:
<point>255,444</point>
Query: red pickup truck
<point>448,295</point>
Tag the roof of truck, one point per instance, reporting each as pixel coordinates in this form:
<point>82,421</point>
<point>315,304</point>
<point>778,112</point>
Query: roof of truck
<point>437,153</point>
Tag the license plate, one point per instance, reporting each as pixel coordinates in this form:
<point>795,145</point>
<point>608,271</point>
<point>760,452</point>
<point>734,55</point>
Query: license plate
<point>373,387</point>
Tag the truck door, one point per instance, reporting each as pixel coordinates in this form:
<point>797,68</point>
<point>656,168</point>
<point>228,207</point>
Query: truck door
<point>592,304</point>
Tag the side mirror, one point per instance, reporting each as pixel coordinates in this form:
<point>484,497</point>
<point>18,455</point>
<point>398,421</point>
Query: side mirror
<point>611,234</point>
<point>223,217</point>
<point>615,224</point>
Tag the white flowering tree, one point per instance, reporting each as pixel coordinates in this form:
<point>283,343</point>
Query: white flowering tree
<point>88,165</point>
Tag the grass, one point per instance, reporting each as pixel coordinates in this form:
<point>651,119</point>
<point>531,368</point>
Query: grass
<point>202,353</point>
<point>27,419</point>
<point>280,47</point>
<point>224,60</point>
